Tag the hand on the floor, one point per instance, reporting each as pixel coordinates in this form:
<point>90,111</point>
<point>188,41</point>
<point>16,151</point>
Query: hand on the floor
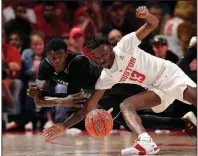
<point>55,131</point>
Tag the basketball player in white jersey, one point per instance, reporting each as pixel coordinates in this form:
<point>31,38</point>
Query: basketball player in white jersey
<point>126,63</point>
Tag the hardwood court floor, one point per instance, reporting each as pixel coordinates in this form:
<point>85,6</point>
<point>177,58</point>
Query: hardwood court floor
<point>33,144</point>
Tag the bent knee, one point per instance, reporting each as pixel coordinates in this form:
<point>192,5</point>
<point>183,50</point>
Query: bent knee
<point>190,95</point>
<point>126,104</point>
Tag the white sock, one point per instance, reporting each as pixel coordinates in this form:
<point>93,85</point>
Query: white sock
<point>143,135</point>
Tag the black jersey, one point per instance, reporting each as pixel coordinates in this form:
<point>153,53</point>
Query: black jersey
<point>185,61</point>
<point>81,72</point>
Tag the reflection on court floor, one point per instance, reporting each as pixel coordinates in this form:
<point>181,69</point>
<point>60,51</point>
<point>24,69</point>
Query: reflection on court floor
<point>33,144</point>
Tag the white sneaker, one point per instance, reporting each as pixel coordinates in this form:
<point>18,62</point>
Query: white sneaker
<point>48,124</point>
<point>73,131</point>
<point>29,126</point>
<point>191,124</point>
<point>193,41</point>
<point>144,145</point>
<point>191,116</point>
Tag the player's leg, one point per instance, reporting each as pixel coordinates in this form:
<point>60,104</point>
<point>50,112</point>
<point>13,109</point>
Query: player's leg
<point>114,99</point>
<point>112,102</point>
<point>129,106</point>
<point>144,100</point>
<point>186,123</point>
<point>190,95</point>
<point>131,118</point>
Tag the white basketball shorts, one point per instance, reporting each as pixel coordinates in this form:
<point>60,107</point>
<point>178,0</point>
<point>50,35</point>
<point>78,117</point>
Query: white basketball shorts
<point>170,86</point>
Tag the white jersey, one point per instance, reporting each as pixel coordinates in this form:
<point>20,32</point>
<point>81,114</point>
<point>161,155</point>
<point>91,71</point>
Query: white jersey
<point>9,14</point>
<point>170,31</point>
<point>134,66</point>
<point>131,65</point>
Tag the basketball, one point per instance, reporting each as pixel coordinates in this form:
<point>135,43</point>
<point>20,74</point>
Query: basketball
<point>99,123</point>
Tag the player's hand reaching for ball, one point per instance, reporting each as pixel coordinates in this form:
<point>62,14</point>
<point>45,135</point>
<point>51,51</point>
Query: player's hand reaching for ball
<point>55,131</point>
<point>142,12</point>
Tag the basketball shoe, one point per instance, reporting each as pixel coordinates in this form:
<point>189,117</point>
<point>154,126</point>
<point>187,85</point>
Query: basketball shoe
<point>143,145</point>
<point>191,124</point>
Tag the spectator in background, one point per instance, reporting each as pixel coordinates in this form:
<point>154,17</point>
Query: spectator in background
<point>31,59</point>
<point>11,56</point>
<point>20,24</point>
<point>158,12</point>
<point>84,21</point>
<point>77,41</point>
<point>49,24</point>
<point>114,36</point>
<point>8,99</point>
<point>62,12</point>
<point>96,13</point>
<point>15,40</point>
<point>65,37</point>
<point>119,20</point>
<point>181,27</point>
<point>164,6</point>
<point>9,11</point>
<point>160,48</point>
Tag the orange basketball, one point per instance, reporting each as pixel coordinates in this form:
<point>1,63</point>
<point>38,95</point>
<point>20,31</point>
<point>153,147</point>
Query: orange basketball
<point>99,123</point>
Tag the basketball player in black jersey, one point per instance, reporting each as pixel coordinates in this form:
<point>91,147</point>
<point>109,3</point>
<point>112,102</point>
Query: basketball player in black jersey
<point>66,68</point>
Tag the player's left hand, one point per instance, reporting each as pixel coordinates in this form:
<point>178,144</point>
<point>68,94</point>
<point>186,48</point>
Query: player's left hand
<point>142,12</point>
<point>55,131</point>
<point>34,92</point>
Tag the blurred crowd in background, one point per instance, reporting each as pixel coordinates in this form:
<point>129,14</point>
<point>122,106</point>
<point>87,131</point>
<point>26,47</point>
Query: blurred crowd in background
<point>28,25</point>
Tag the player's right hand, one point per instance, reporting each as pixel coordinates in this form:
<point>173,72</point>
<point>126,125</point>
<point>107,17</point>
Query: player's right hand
<point>55,131</point>
<point>76,100</point>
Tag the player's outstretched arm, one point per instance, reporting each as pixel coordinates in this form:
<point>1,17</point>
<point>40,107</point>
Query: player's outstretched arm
<point>58,129</point>
<point>89,105</point>
<point>74,100</point>
<point>151,22</point>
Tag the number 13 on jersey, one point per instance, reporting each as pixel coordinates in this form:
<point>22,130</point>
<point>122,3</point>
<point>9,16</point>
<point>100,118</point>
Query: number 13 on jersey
<point>136,76</point>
